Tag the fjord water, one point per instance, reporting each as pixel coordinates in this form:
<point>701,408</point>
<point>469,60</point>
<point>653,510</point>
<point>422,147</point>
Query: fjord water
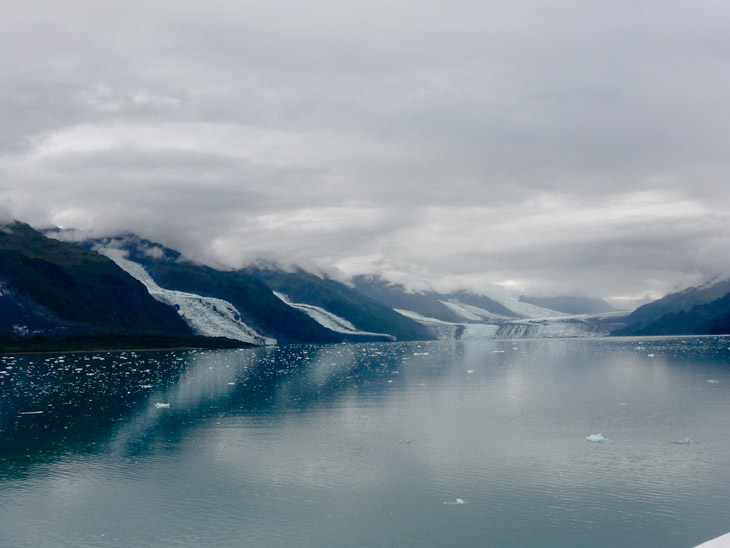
<point>469,444</point>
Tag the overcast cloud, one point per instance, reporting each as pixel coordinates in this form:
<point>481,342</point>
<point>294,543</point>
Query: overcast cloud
<point>566,146</point>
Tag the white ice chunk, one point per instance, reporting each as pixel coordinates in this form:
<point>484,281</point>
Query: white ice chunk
<point>596,438</point>
<point>457,501</point>
<point>162,405</point>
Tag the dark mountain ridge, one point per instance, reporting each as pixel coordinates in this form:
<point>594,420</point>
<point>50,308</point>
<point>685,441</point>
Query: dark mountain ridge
<point>694,311</point>
<point>54,294</point>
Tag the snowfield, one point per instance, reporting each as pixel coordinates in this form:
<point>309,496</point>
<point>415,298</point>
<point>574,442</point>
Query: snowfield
<point>207,316</point>
<point>472,313</point>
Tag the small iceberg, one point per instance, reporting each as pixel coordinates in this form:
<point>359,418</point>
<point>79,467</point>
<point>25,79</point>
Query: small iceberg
<point>596,438</point>
<point>457,501</point>
<point>470,371</point>
<point>683,441</point>
<point>162,406</point>
<point>712,381</point>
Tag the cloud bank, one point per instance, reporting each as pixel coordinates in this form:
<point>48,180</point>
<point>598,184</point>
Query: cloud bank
<point>564,147</point>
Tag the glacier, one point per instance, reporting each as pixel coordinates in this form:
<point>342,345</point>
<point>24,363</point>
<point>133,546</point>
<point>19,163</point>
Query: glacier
<point>329,320</point>
<point>207,316</point>
<point>553,326</point>
<point>470,312</point>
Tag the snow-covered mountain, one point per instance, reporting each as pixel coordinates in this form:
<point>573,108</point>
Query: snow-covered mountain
<point>501,314</point>
<point>142,287</point>
<point>330,320</point>
<point>207,316</point>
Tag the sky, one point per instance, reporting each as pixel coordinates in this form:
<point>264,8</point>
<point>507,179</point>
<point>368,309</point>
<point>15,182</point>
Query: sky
<point>563,147</point>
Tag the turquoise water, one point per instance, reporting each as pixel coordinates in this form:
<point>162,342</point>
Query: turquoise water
<point>468,444</point>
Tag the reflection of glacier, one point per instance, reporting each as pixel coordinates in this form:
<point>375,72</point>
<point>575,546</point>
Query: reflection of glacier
<point>207,316</point>
<point>328,319</point>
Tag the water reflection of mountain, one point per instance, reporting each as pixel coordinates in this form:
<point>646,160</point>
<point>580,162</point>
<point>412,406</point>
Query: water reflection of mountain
<point>88,403</point>
<point>55,405</point>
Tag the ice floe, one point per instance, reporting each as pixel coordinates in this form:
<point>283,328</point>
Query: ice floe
<point>596,438</point>
<point>457,501</point>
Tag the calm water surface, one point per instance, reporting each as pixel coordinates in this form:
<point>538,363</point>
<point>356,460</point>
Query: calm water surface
<point>474,444</point>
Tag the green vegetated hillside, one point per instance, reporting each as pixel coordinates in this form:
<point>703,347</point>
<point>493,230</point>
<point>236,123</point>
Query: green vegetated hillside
<point>80,285</point>
<point>703,310</point>
<point>52,291</point>
<point>362,311</point>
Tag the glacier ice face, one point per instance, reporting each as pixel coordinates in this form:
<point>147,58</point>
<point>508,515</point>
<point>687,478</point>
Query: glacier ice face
<point>207,316</point>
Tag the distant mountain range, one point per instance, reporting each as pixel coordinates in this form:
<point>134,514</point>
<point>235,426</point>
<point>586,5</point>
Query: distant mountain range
<point>127,292</point>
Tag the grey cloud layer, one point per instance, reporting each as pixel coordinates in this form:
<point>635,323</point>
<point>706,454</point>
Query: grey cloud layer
<point>562,146</point>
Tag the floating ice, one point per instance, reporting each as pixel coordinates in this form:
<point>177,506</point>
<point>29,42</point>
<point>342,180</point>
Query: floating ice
<point>650,355</point>
<point>31,413</point>
<point>457,501</point>
<point>162,405</point>
<point>596,438</point>
<point>470,371</point>
<point>683,441</point>
<point>712,381</point>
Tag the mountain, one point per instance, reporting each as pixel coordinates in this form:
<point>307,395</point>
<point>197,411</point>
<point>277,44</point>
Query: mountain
<point>460,306</point>
<point>570,304</point>
<point>125,292</point>
<point>239,302</point>
<point>463,315</point>
<point>395,296</point>
<point>321,296</point>
<point>694,311</point>
<point>51,291</point>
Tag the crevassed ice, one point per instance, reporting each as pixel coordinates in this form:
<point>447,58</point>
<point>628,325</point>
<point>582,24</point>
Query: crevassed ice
<point>327,319</point>
<point>207,316</point>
